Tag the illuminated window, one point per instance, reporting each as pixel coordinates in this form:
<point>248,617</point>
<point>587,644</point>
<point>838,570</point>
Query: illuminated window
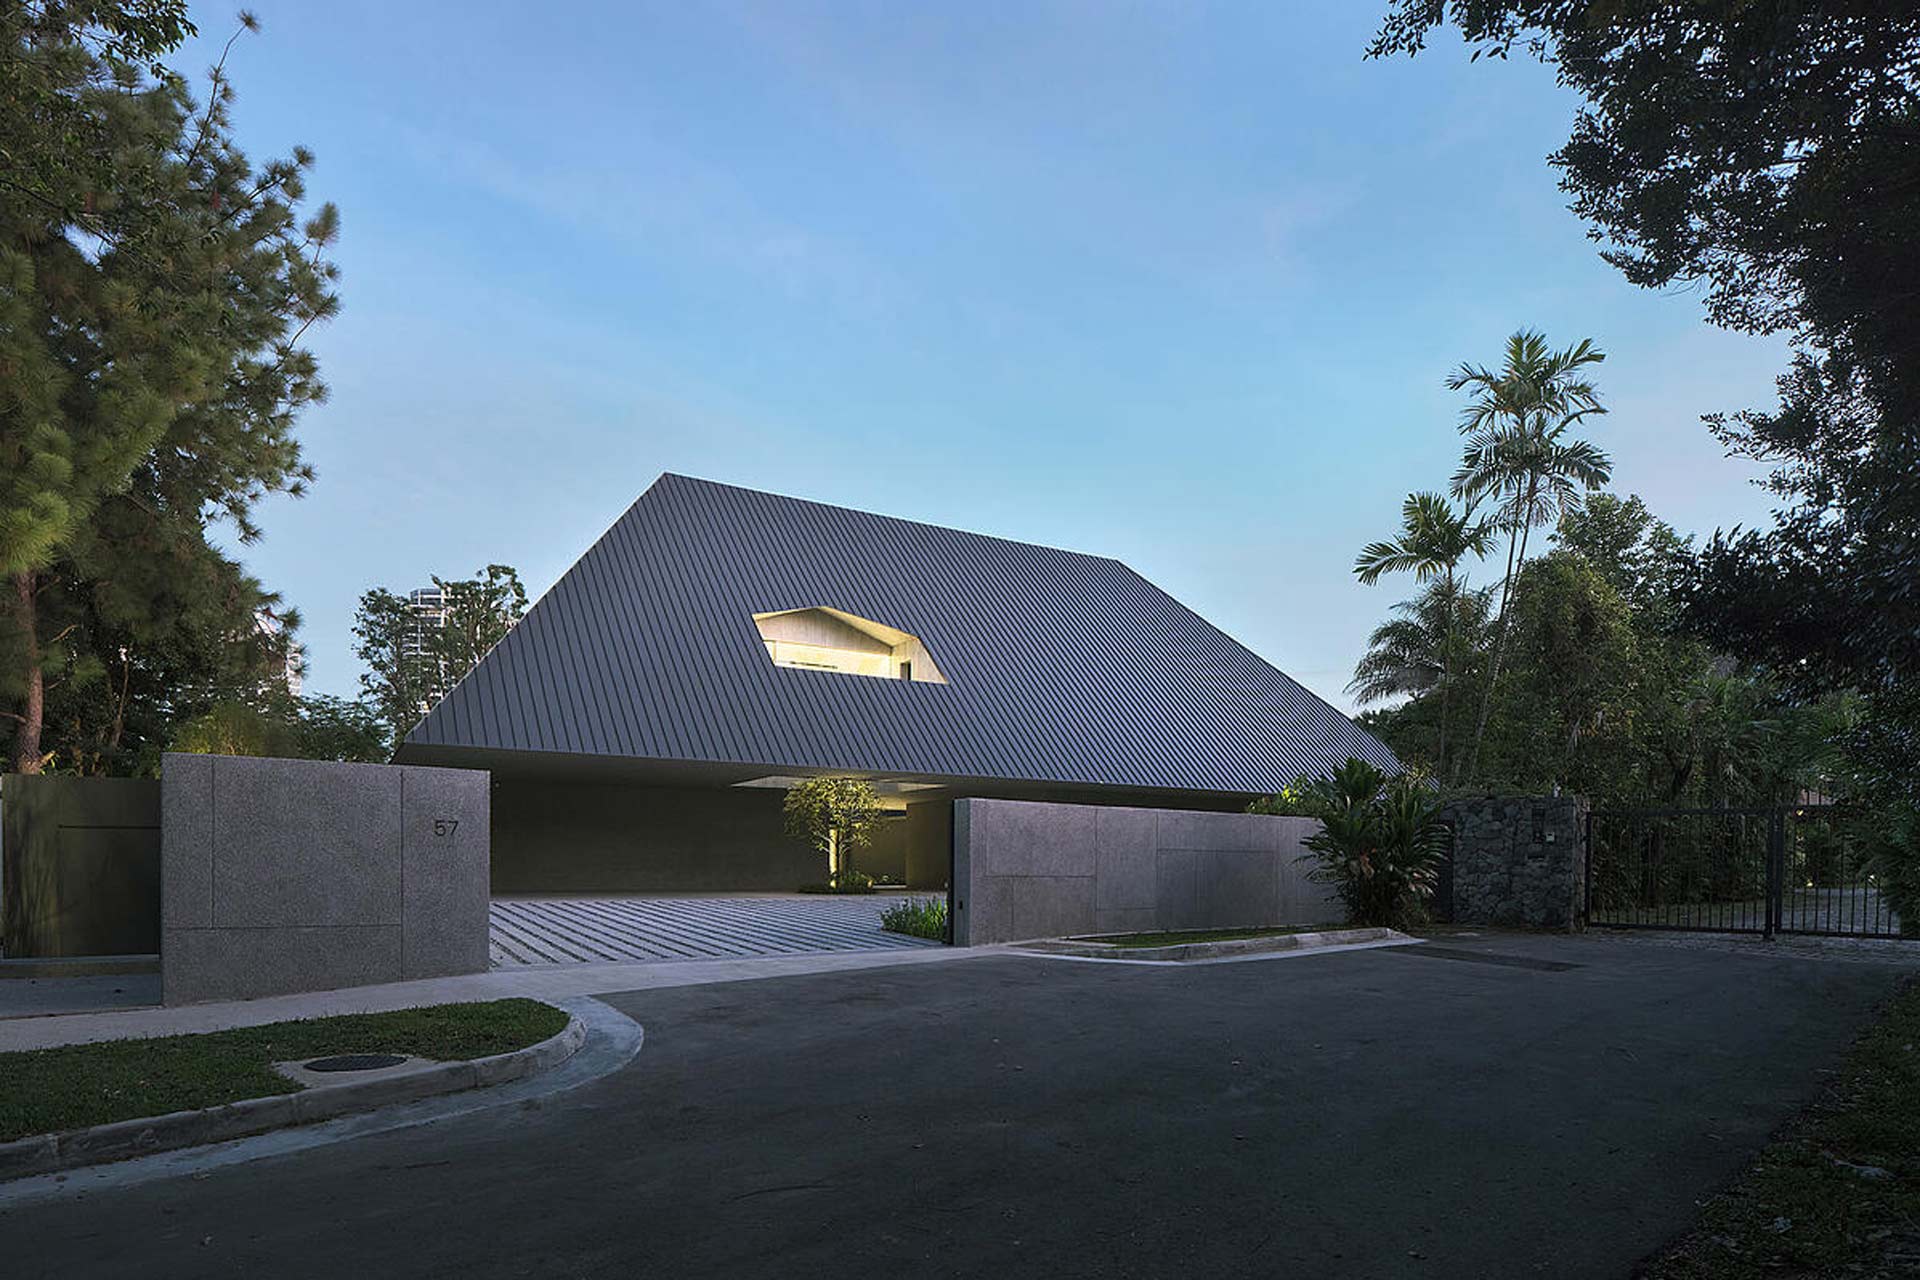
<point>822,639</point>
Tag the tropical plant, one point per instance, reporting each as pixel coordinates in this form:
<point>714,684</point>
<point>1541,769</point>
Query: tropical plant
<point>917,917</point>
<point>1605,691</point>
<point>1763,154</point>
<point>834,816</point>
<point>1433,645</point>
<point>1520,458</point>
<point>1571,689</point>
<point>1433,642</point>
<point>1288,802</point>
<point>1379,845</point>
<point>1434,538</point>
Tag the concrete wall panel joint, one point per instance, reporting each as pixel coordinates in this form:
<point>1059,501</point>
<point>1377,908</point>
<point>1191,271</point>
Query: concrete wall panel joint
<point>1024,869</point>
<point>281,876</point>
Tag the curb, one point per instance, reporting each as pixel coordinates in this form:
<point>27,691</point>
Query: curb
<point>125,1139</point>
<point>1216,950</point>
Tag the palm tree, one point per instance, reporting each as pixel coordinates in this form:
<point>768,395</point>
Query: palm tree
<point>1419,651</point>
<point>1519,457</point>
<point>1433,540</point>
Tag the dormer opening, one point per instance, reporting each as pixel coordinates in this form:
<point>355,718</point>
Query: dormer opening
<point>824,639</point>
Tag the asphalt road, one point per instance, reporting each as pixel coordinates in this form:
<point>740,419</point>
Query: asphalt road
<point>1374,1114</point>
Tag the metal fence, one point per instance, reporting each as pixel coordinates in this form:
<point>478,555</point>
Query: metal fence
<point>1790,869</point>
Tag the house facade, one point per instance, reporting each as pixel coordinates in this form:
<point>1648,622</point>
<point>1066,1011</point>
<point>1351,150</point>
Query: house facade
<point>717,643</point>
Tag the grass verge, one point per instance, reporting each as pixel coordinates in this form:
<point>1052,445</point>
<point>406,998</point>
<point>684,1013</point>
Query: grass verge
<point>73,1086</point>
<point>1837,1192</point>
<point>1176,939</point>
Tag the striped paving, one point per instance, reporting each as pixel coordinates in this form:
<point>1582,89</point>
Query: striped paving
<point>547,931</point>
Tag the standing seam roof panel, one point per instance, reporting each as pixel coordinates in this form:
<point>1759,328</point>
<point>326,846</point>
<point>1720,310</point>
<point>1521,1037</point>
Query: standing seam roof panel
<point>1061,667</point>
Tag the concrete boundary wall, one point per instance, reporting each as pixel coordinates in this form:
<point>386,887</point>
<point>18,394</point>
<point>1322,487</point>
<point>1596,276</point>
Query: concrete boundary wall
<point>1023,870</point>
<point>280,876</point>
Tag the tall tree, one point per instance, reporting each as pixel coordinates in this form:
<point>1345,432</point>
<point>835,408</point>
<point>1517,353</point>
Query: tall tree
<point>146,626</point>
<point>154,289</point>
<point>414,655</point>
<point>1520,457</point>
<point>476,613</point>
<point>1639,555</point>
<point>1433,540</point>
<point>1565,709</point>
<point>1768,153</point>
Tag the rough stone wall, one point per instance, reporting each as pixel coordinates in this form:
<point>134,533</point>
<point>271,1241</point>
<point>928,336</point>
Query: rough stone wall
<point>1518,860</point>
<point>1025,869</point>
<point>279,876</point>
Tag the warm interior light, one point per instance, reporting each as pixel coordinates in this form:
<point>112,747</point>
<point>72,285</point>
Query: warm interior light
<point>823,639</point>
<point>788,653</point>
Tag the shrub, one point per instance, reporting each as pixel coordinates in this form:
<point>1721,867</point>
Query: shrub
<point>845,882</point>
<point>918,917</point>
<point>1288,802</point>
<point>1379,845</point>
<point>1891,844</point>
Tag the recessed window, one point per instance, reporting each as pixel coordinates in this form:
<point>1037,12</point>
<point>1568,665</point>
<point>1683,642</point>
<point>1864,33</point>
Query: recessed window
<point>823,639</point>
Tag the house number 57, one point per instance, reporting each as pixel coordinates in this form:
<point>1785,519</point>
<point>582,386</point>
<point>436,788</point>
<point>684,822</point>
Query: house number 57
<point>445,826</point>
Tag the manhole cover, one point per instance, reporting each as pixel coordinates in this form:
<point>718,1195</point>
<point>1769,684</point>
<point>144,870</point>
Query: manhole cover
<point>355,1062</point>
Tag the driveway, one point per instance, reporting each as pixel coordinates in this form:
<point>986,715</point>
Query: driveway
<point>1481,1107</point>
<point>543,931</point>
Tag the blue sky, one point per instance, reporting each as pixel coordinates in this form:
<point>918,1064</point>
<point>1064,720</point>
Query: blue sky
<point>1175,283</point>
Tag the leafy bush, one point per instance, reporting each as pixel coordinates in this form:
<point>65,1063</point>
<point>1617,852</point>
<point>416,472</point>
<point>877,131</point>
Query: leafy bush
<point>1288,802</point>
<point>845,882</point>
<point>1892,856</point>
<point>917,917</point>
<point>1879,782</point>
<point>1379,846</point>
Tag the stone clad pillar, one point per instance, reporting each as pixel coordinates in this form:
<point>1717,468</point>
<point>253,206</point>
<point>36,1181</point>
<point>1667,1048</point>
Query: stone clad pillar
<point>1519,861</point>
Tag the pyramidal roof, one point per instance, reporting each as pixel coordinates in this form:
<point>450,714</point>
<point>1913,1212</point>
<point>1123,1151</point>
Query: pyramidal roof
<point>1057,667</point>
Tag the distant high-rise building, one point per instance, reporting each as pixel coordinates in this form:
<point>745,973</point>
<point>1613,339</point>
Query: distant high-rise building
<point>429,605</point>
<point>289,665</point>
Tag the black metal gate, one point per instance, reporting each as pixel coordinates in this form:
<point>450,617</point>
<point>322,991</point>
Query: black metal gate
<point>1790,869</point>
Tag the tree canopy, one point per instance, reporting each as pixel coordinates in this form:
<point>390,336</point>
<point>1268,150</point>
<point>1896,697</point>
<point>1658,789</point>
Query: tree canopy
<point>413,656</point>
<point>155,287</point>
<point>1768,152</point>
<point>834,816</point>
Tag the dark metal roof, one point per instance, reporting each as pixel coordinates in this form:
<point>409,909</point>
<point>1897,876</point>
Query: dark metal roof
<point>1062,668</point>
